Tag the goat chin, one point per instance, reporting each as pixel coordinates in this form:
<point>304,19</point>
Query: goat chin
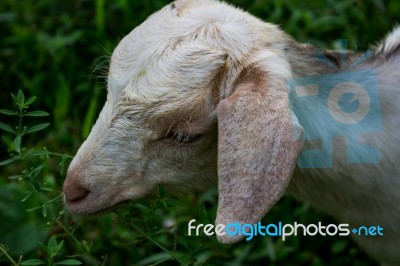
<point>205,100</point>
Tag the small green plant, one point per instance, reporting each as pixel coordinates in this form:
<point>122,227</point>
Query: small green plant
<point>20,130</point>
<point>34,160</point>
<point>52,250</point>
<point>33,163</point>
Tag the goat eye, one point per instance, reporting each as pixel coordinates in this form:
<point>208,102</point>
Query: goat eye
<point>183,137</point>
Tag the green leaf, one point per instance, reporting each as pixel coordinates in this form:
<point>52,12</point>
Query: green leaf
<point>43,246</point>
<point>69,262</point>
<point>53,247</point>
<point>20,97</point>
<point>30,100</point>
<point>37,128</point>
<point>43,188</point>
<point>10,160</point>
<point>17,143</point>
<point>52,243</point>
<point>28,195</point>
<point>36,171</point>
<point>15,177</point>
<point>33,209</point>
<point>7,128</point>
<point>59,247</point>
<point>37,153</point>
<point>154,259</point>
<point>33,262</point>
<point>87,245</point>
<point>37,113</point>
<point>8,112</point>
<point>14,98</point>
<point>44,210</point>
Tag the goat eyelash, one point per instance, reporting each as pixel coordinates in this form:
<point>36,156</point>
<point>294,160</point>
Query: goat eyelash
<point>182,137</point>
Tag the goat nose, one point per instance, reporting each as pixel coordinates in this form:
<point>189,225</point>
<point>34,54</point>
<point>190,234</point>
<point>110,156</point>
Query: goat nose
<point>76,194</point>
<point>74,191</point>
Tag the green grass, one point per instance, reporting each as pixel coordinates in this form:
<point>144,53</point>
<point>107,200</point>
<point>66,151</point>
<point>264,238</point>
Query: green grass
<point>58,51</point>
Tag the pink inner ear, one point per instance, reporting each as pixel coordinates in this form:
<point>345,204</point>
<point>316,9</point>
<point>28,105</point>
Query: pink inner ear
<point>257,152</point>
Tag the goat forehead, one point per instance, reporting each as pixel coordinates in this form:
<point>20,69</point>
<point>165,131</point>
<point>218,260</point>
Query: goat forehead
<point>168,50</point>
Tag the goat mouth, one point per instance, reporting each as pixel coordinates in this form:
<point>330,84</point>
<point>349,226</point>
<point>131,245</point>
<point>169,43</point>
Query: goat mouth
<point>78,206</point>
<point>110,208</point>
<point>75,201</point>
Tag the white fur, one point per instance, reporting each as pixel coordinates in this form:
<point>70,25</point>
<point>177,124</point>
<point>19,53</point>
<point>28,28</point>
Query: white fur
<point>198,64</point>
<point>391,41</point>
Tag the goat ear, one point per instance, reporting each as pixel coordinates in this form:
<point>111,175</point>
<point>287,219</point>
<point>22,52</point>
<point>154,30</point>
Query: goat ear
<point>259,140</point>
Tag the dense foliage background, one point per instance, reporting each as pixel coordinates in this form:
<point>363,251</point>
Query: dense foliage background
<point>58,51</point>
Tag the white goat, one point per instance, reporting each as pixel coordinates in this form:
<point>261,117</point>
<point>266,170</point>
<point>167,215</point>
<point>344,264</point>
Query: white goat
<point>198,94</point>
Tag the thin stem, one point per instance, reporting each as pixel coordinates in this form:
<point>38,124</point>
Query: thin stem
<point>145,235</point>
<point>60,155</point>
<point>70,234</point>
<point>19,132</point>
<point>56,198</point>
<point>159,262</point>
<point>50,260</point>
<point>8,256</point>
<point>20,115</point>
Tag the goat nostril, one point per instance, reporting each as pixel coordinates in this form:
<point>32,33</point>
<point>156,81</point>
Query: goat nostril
<point>76,194</point>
